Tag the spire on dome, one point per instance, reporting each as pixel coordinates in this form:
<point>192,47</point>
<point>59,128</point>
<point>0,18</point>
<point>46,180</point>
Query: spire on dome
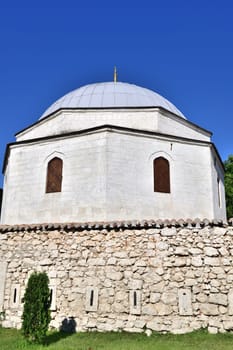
<point>115,74</point>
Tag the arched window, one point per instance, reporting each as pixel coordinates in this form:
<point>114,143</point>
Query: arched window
<point>54,175</point>
<point>161,175</point>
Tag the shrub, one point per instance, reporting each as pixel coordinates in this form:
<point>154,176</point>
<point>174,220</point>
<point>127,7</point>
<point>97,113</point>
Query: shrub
<point>36,313</point>
<point>229,185</point>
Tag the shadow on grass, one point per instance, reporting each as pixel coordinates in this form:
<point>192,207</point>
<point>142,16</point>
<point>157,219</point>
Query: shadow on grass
<point>67,328</point>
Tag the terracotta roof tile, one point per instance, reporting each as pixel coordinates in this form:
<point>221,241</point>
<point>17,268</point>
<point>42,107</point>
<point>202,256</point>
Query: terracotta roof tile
<point>133,224</point>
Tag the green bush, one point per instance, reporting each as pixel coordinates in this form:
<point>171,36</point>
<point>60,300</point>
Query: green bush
<point>229,185</point>
<point>36,313</point>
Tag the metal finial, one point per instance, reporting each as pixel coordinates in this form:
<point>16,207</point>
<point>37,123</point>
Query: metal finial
<point>115,75</point>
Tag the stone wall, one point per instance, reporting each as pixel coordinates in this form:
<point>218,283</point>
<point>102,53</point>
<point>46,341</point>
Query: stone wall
<point>161,276</point>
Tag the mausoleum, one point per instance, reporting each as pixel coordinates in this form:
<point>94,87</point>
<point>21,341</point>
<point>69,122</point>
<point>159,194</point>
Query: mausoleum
<point>120,200</point>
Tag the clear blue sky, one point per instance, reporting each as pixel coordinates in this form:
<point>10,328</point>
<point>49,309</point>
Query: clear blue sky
<point>180,49</point>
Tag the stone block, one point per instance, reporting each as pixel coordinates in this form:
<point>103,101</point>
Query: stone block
<point>185,302</point>
<point>107,283</point>
<point>196,261</point>
<point>52,274</point>
<point>152,278</point>
<point>121,296</point>
<point>3,270</point>
<point>105,327</point>
<point>178,277</point>
<point>92,299</point>
<point>141,263</point>
<point>45,262</point>
<point>135,302</point>
<point>53,296</point>
<point>161,246</point>
<point>155,297</point>
<point>222,309</point>
<point>15,295</point>
<point>168,232</point>
<point>115,275</point>
<point>96,262</point>
<point>212,261</point>
<point>119,307</point>
<point>201,297</point>
<point>230,302</point>
<point>121,255</point>
<point>210,251</point>
<point>120,324</point>
<point>163,309</point>
<point>195,251</point>
<point>218,298</point>
<point>209,309</point>
<point>149,309</point>
<point>135,284</point>
<point>228,325</point>
<point>140,324</point>
<point>218,270</point>
<point>169,298</point>
<point>126,262</point>
<point>182,251</point>
<point>111,261</point>
<point>223,251</point>
<point>179,262</point>
<point>189,282</point>
<point>212,330</point>
<point>148,332</point>
<point>154,325</point>
<point>230,278</point>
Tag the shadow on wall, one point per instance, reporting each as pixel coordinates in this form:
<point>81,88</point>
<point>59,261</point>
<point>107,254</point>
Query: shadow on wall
<point>1,192</point>
<point>67,328</point>
<point>68,325</point>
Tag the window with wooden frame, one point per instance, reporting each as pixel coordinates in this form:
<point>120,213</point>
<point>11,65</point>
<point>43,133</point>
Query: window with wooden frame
<point>54,175</point>
<point>161,175</point>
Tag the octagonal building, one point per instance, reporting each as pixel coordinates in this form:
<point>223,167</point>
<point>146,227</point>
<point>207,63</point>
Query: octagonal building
<point>109,152</point>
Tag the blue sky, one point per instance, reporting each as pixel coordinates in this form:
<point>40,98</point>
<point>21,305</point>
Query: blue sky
<point>180,49</point>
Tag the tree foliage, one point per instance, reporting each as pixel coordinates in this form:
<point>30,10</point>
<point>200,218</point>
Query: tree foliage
<point>36,313</point>
<point>229,185</point>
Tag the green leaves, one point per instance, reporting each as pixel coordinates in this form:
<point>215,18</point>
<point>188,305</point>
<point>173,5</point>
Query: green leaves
<point>229,185</point>
<point>36,314</point>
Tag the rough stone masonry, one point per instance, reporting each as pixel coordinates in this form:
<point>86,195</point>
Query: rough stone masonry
<point>133,276</point>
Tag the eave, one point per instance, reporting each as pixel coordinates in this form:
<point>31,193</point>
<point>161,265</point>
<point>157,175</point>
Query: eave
<point>109,128</point>
<point>163,110</point>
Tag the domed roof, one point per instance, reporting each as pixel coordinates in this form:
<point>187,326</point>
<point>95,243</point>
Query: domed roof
<point>111,94</point>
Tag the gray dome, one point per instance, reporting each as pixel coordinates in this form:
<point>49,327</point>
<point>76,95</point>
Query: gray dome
<point>111,94</point>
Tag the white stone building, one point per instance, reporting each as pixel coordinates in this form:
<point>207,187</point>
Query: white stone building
<point>108,152</point>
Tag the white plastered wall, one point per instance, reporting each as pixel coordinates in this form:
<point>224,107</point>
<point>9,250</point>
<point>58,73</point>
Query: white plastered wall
<point>190,170</point>
<point>218,188</point>
<point>151,120</point>
<point>83,185</point>
<point>107,175</point>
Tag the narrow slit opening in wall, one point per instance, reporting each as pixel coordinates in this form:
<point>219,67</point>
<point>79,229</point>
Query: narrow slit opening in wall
<point>92,297</point>
<point>134,299</point>
<point>51,296</point>
<point>15,295</point>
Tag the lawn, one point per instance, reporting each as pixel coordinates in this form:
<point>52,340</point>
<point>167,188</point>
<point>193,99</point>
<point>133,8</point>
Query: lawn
<point>11,339</point>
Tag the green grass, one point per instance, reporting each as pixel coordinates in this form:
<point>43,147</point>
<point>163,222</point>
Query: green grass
<point>11,339</point>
